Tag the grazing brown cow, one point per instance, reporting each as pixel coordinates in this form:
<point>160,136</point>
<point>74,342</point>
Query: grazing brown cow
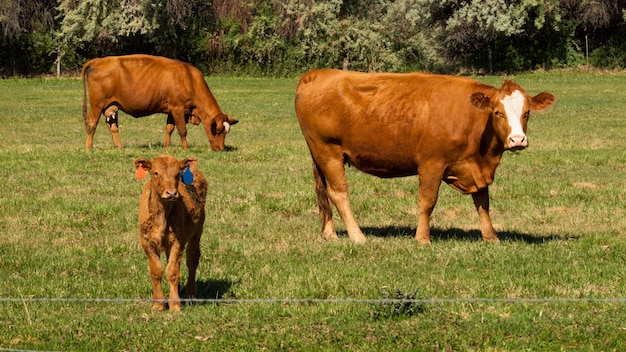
<point>441,128</point>
<point>142,85</point>
<point>171,216</point>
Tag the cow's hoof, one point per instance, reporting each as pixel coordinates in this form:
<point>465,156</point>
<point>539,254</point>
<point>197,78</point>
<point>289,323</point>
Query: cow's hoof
<point>358,239</point>
<point>493,239</point>
<point>158,307</point>
<point>423,241</point>
<point>330,236</point>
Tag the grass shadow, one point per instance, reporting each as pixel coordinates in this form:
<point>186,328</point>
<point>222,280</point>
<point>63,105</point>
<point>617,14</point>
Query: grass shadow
<point>456,234</point>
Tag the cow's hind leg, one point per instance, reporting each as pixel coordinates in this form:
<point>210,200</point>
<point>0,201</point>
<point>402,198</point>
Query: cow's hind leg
<point>323,204</point>
<point>91,123</point>
<point>337,189</point>
<point>112,122</point>
<point>193,258</point>
<point>481,202</point>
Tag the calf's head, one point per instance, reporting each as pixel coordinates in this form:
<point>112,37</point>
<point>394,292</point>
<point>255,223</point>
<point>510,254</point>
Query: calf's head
<point>166,172</point>
<point>219,128</point>
<point>510,108</point>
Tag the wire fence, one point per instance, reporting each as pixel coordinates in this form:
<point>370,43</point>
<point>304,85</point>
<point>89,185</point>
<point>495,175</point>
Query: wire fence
<point>427,301</point>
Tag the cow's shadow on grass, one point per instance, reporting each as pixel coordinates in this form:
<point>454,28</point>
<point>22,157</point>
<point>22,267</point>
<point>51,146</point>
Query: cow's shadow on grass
<point>455,234</point>
<point>159,145</point>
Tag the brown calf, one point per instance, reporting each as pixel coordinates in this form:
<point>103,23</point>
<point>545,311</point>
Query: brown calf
<point>171,216</point>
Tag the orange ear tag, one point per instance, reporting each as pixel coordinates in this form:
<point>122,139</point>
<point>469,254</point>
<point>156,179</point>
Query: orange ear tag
<point>140,173</point>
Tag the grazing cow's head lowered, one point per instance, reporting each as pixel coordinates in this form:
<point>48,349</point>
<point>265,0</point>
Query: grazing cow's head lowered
<point>127,83</point>
<point>510,109</point>
<point>219,128</point>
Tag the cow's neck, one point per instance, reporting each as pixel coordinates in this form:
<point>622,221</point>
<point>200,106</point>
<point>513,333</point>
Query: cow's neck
<point>159,207</point>
<point>491,148</point>
<point>209,105</point>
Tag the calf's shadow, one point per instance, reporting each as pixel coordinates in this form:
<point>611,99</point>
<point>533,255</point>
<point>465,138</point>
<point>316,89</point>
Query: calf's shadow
<point>212,289</point>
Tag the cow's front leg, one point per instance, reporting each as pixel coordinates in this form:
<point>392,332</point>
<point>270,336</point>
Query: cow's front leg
<point>173,275</point>
<point>113,123</point>
<point>179,121</point>
<point>156,274</point>
<point>428,192</point>
<point>169,128</point>
<point>481,202</point>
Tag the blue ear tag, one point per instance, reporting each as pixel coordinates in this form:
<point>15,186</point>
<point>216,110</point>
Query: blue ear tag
<point>187,176</point>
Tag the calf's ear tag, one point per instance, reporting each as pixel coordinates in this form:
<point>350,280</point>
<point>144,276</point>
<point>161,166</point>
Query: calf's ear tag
<point>140,173</point>
<point>187,176</point>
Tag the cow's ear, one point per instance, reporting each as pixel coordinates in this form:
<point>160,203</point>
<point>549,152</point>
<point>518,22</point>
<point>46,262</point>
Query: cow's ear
<point>191,162</point>
<point>542,101</point>
<point>480,100</point>
<point>144,163</point>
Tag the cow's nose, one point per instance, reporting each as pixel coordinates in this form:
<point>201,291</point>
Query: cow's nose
<point>518,142</point>
<point>170,194</point>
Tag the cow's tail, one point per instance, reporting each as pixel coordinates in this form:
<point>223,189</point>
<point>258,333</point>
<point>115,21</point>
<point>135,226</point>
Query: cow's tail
<point>83,77</point>
<point>323,202</point>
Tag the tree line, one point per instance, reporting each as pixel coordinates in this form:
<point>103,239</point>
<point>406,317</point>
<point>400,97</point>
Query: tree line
<point>279,37</point>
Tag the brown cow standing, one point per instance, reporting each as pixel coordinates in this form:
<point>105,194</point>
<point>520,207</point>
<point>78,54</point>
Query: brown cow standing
<point>171,216</point>
<point>441,128</point>
<point>141,85</point>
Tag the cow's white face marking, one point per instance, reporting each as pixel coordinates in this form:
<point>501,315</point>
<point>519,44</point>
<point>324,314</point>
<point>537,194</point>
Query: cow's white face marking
<point>514,108</point>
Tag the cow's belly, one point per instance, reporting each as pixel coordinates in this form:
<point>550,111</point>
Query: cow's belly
<point>382,164</point>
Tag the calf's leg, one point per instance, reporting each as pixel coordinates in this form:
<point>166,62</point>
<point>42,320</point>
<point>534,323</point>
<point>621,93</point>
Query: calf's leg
<point>173,275</point>
<point>481,202</point>
<point>193,258</point>
<point>156,275</point>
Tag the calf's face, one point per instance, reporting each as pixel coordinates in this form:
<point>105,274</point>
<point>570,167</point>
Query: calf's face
<point>165,173</point>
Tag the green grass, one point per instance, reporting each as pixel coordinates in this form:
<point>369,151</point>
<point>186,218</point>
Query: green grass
<point>68,220</point>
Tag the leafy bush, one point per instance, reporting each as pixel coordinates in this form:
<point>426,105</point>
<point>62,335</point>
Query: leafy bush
<point>398,305</point>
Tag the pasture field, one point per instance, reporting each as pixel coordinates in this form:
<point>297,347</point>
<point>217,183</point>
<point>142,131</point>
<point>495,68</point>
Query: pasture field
<point>68,220</point>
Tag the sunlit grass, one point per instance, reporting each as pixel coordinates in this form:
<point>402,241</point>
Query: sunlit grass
<point>68,220</point>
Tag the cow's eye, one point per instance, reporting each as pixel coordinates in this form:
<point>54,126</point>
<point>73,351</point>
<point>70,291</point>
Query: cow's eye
<point>527,115</point>
<point>499,114</point>
<point>155,174</point>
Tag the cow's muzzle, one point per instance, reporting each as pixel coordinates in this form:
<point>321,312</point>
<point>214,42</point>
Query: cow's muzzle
<point>517,142</point>
<point>170,195</point>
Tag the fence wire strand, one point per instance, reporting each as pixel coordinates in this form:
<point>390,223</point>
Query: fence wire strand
<point>429,301</point>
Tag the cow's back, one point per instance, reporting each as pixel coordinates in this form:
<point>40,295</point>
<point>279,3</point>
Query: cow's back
<point>387,124</point>
<point>141,84</point>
